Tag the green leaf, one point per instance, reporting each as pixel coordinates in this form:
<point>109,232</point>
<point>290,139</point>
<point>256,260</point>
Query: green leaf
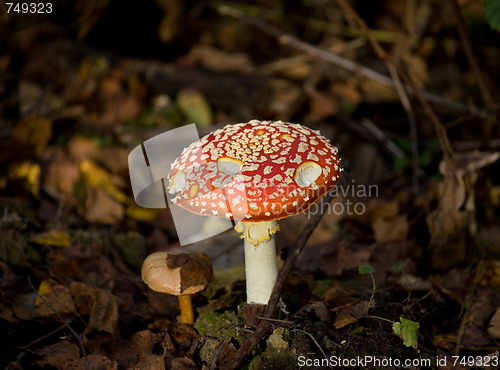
<point>407,330</point>
<point>492,12</point>
<point>397,267</point>
<point>365,269</point>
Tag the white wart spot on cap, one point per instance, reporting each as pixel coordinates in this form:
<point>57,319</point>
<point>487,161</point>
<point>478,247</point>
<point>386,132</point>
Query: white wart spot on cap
<point>178,182</point>
<point>307,173</point>
<point>229,166</point>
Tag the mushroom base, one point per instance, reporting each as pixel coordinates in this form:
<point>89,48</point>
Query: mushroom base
<point>260,259</point>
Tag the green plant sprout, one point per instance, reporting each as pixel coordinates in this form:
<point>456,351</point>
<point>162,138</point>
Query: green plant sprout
<point>405,329</point>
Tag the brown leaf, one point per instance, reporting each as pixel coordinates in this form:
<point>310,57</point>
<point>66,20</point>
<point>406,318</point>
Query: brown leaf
<point>100,208</point>
<point>391,230</point>
<point>60,179</point>
<point>150,361</point>
<point>318,309</point>
<point>176,260</point>
<point>219,60</point>
<point>197,272</point>
<point>60,355</point>
<point>183,363</point>
<point>474,337</point>
<point>100,305</point>
<point>143,341</point>
<point>95,361</point>
<point>417,69</point>
<point>80,147</point>
<point>480,311</point>
<point>494,326</point>
<point>56,295</point>
<point>350,314</point>
<point>446,341</point>
<point>169,24</point>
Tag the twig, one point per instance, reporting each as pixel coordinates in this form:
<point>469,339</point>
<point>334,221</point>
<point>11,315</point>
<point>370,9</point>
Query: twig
<point>288,40</point>
<point>272,306</point>
<point>405,102</point>
<point>382,138</point>
<point>66,324</point>
<point>39,339</point>
<point>315,342</point>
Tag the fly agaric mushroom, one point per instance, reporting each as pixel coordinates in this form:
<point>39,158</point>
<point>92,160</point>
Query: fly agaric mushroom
<point>256,173</point>
<point>180,275</point>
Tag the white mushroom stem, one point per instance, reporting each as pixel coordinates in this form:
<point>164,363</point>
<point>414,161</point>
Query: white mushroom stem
<point>260,259</point>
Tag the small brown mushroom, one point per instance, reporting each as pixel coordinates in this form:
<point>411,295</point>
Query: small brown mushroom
<point>178,274</point>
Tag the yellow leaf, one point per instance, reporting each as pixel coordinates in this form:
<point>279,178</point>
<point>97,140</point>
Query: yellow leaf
<point>56,238</point>
<point>95,175</point>
<point>140,213</point>
<point>28,172</point>
<point>49,290</point>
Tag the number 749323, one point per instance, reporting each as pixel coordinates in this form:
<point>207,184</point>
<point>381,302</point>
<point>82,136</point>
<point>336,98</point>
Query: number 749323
<point>29,8</point>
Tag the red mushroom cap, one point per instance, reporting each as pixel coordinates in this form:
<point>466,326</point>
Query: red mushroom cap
<point>255,171</point>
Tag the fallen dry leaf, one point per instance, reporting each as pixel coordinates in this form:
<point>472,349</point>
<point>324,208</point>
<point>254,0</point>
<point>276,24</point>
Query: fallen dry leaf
<point>96,176</point>
<point>350,314</point>
<point>494,325</point>
<point>29,173</point>
<point>391,230</point>
<point>81,147</point>
<point>101,208</point>
<point>150,361</point>
<point>60,355</point>
<point>100,305</point>
<point>219,60</point>
<point>62,304</point>
<point>53,237</point>
<point>61,176</point>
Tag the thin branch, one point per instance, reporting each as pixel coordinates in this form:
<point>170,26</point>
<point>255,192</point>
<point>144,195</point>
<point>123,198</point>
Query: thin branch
<point>315,342</point>
<point>288,40</point>
<point>405,102</point>
<point>266,326</point>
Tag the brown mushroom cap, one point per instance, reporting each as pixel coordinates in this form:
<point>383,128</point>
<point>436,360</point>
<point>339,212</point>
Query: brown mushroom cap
<point>255,171</point>
<point>177,274</point>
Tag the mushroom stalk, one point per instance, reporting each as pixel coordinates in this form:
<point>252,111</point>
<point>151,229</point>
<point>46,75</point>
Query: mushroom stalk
<point>186,308</point>
<point>260,259</point>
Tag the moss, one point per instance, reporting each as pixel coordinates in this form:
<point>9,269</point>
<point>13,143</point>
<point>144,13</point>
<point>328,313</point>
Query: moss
<point>278,354</point>
<point>225,326</point>
<point>321,287</point>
